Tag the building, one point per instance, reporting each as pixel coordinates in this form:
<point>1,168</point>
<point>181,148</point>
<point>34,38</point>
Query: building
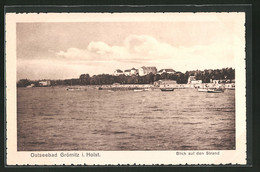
<point>130,72</point>
<point>221,81</point>
<point>166,71</point>
<point>165,83</point>
<point>127,72</point>
<point>133,71</point>
<point>45,83</point>
<point>118,72</point>
<point>196,82</point>
<point>191,78</point>
<point>146,70</point>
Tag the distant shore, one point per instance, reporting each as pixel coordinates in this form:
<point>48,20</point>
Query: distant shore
<point>175,86</point>
<point>149,86</point>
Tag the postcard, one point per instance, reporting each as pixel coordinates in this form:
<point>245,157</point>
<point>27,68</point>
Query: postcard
<point>125,88</point>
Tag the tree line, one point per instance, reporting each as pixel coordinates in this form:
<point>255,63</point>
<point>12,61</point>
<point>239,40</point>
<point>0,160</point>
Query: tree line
<point>103,79</point>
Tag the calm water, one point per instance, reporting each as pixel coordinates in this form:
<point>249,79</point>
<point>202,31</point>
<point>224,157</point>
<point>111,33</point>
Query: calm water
<point>56,119</point>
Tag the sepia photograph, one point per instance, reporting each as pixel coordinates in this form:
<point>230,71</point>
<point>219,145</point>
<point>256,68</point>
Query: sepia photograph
<point>128,83</point>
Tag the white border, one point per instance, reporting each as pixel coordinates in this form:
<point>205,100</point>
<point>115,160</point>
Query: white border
<point>14,157</point>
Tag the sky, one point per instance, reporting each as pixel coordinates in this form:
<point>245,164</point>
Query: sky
<point>63,50</point>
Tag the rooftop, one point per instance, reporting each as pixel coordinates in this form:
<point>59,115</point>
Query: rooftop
<point>167,70</point>
<point>118,70</point>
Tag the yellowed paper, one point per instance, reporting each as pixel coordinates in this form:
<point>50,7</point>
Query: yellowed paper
<point>59,46</point>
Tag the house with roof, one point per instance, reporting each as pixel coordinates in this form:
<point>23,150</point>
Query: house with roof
<point>166,83</point>
<point>166,71</point>
<point>191,78</point>
<point>220,81</point>
<point>146,70</point>
<point>194,83</point>
<point>133,71</point>
<point>130,72</point>
<point>45,83</point>
<point>127,72</point>
<point>118,72</point>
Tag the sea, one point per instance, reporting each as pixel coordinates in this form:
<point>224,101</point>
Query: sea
<point>54,119</point>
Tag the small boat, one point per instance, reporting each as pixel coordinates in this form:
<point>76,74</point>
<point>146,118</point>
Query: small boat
<point>147,89</point>
<point>202,89</point>
<point>215,90</point>
<point>110,91</point>
<point>30,86</point>
<point>167,89</point>
<point>138,90</point>
<point>76,89</point>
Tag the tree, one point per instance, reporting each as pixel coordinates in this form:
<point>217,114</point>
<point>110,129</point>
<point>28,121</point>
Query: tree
<point>157,77</point>
<point>84,79</point>
<point>24,83</point>
<point>182,79</point>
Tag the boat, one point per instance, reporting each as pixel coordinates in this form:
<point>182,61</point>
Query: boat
<point>167,89</point>
<point>30,86</point>
<point>110,91</point>
<point>138,90</point>
<point>215,90</point>
<point>147,89</point>
<point>202,89</point>
<point>76,89</point>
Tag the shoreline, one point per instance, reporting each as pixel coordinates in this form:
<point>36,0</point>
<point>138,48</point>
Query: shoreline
<point>143,86</point>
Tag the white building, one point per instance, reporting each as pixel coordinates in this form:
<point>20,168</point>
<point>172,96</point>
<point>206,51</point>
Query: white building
<point>191,78</point>
<point>44,83</point>
<point>146,70</point>
<point>166,83</point>
<point>196,82</point>
<point>127,72</point>
<point>130,72</point>
<point>118,72</point>
<point>166,71</point>
<point>133,71</point>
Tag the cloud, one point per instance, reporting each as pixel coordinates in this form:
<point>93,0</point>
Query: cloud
<point>146,49</point>
<point>100,48</point>
<point>73,54</point>
<point>135,51</point>
<point>134,48</point>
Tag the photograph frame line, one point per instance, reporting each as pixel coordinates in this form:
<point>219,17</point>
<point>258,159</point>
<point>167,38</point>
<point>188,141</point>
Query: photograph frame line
<point>158,8</point>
